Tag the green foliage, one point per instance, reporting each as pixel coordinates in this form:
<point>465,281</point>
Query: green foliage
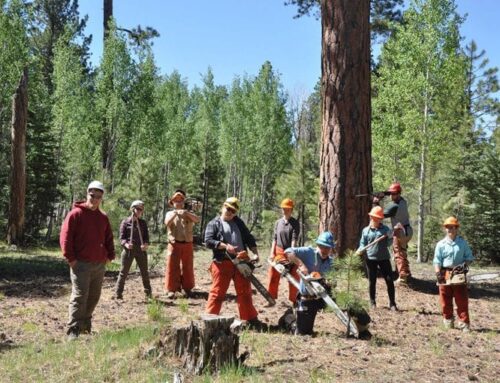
<point>350,283</point>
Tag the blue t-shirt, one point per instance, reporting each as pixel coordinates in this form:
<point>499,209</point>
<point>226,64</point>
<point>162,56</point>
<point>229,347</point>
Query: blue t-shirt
<point>311,258</point>
<point>451,253</point>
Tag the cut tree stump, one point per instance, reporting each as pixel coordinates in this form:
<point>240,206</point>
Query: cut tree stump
<point>205,345</point>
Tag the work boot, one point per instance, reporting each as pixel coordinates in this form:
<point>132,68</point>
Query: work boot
<point>373,304</point>
<point>401,281</point>
<point>117,297</point>
<point>393,307</point>
<point>256,324</point>
<point>465,327</point>
<point>171,295</point>
<point>448,323</point>
<point>73,334</point>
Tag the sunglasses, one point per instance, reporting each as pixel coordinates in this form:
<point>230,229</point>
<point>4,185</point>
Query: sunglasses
<point>95,196</point>
<point>138,208</point>
<point>230,210</point>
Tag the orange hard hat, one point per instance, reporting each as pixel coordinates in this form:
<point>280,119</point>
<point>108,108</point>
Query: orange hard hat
<point>395,188</point>
<point>316,275</point>
<point>287,203</point>
<point>376,212</point>
<point>451,221</point>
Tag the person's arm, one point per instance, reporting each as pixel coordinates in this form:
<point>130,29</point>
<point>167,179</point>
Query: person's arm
<point>362,242</point>
<point>438,264</point>
<point>66,238</point>
<point>294,258</point>
<point>212,238</point>
<point>191,216</point>
<point>273,249</point>
<point>391,210</point>
<point>295,233</point>
<point>170,217</point>
<point>110,246</point>
<point>145,235</point>
<point>468,257</point>
<point>124,238</point>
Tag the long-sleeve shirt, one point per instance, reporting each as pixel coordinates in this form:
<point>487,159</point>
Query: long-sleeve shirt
<point>450,253</point>
<point>86,235</point>
<point>379,251</point>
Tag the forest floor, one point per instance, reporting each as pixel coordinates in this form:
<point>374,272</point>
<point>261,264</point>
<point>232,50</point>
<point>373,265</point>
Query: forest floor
<point>410,345</point>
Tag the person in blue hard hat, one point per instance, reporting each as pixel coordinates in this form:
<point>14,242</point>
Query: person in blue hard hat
<point>318,262</point>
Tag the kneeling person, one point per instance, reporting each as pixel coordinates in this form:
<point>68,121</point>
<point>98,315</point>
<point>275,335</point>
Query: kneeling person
<point>311,260</point>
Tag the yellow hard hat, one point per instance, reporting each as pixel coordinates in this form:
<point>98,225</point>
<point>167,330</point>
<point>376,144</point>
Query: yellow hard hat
<point>287,203</point>
<point>451,221</point>
<point>233,203</point>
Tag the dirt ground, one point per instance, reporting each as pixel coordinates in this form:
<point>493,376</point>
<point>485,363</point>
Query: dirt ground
<point>408,345</point>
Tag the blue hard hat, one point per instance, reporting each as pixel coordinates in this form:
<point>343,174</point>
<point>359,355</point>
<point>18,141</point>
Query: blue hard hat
<point>326,239</point>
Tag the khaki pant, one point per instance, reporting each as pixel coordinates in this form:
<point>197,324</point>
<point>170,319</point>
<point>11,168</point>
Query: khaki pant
<point>400,249</point>
<point>127,258</point>
<point>86,281</point>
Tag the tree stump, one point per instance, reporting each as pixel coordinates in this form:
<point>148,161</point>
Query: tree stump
<point>206,344</point>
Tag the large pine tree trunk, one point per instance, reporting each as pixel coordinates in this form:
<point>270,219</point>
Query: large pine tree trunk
<point>345,163</point>
<point>15,229</point>
<point>107,15</point>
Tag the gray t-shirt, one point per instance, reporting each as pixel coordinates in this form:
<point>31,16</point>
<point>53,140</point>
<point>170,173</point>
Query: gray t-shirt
<point>232,234</point>
<point>286,231</point>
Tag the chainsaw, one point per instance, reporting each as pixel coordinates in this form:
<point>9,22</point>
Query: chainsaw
<point>245,265</point>
<point>316,289</point>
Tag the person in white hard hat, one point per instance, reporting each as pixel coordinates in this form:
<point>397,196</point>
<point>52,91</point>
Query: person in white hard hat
<point>134,238</point>
<point>86,241</point>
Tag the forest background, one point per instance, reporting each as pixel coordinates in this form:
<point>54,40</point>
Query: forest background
<point>145,133</point>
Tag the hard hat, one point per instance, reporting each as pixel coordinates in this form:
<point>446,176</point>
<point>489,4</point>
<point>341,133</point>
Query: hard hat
<point>451,221</point>
<point>287,203</point>
<point>179,196</point>
<point>395,188</point>
<point>232,203</point>
<point>376,212</point>
<point>315,275</point>
<point>326,239</point>
<point>136,203</point>
<point>96,185</point>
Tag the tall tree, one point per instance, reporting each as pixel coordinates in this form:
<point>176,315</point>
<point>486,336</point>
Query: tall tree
<point>345,160</point>
<point>18,162</point>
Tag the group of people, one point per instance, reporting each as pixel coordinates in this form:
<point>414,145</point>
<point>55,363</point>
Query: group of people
<point>86,241</point>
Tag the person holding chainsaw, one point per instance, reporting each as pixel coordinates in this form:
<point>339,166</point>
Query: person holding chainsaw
<point>316,262</point>
<point>397,211</point>
<point>286,234</point>
<point>134,238</point>
<point>179,271</point>
<point>451,259</point>
<point>375,240</point>
<point>227,236</point>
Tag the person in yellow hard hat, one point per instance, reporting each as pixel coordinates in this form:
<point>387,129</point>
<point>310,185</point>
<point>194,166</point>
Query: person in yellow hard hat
<point>378,256</point>
<point>451,253</point>
<point>286,234</point>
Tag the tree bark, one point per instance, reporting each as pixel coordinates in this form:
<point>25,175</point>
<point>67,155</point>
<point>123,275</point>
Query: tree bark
<point>345,162</point>
<point>107,15</point>
<point>15,231</point>
<point>205,345</point>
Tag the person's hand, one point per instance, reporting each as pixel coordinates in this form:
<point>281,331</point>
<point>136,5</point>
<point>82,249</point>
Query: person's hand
<point>180,213</point>
<point>231,249</point>
<point>72,264</point>
<point>128,246</point>
<point>303,269</point>
<point>358,253</point>
<point>144,247</point>
<point>375,200</point>
<point>440,278</point>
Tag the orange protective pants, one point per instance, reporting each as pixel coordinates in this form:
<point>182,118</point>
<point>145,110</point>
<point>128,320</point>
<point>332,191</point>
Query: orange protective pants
<point>274,277</point>
<point>222,273</point>
<point>179,270</point>
<point>399,247</point>
<point>461,295</point>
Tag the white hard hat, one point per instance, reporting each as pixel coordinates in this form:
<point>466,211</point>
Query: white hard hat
<point>137,202</point>
<point>96,185</point>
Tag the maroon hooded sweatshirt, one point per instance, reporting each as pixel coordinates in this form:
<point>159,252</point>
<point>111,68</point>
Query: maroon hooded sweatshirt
<point>86,235</point>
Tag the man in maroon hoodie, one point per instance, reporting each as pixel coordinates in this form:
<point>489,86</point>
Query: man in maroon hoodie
<point>87,244</point>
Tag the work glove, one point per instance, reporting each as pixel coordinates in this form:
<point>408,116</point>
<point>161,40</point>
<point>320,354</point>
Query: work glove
<point>440,278</point>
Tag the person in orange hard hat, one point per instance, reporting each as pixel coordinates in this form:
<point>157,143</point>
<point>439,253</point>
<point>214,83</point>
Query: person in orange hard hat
<point>452,257</point>
<point>397,211</point>
<point>286,234</point>
<point>377,255</point>
<point>179,271</point>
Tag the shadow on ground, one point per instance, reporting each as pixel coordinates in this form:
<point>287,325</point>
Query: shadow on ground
<point>36,276</point>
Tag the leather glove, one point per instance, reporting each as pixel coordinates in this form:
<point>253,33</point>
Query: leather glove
<point>440,278</point>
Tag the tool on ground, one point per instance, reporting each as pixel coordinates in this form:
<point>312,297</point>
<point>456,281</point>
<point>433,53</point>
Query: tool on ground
<point>246,265</point>
<point>315,289</point>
